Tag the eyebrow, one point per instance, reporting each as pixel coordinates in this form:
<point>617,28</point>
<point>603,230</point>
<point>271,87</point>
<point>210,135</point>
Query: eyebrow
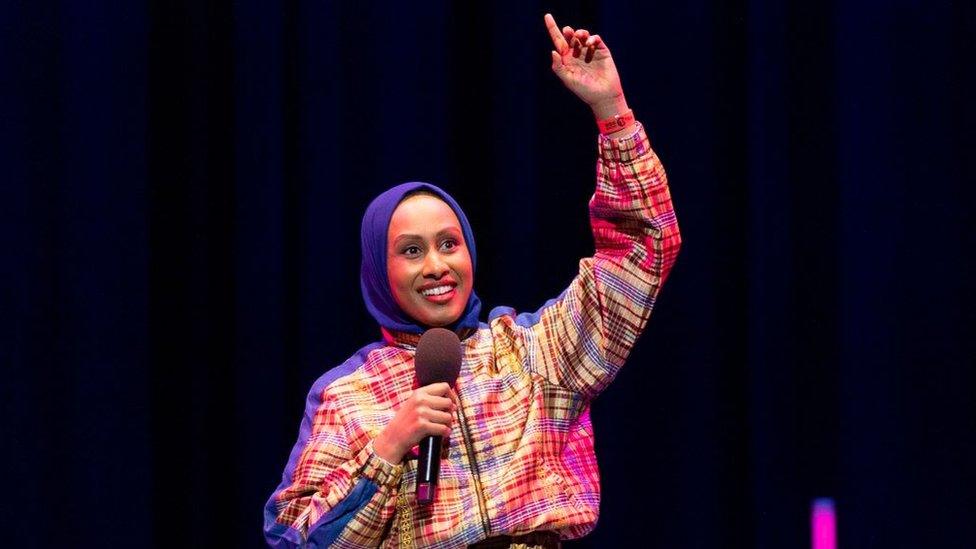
<point>453,231</point>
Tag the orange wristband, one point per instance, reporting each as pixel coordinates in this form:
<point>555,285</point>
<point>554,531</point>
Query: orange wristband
<point>616,122</point>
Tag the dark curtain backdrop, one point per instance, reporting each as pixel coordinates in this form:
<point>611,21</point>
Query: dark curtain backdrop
<point>182,189</point>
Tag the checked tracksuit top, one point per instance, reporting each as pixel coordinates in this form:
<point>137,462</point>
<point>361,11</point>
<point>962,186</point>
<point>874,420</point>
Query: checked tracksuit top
<point>520,456</point>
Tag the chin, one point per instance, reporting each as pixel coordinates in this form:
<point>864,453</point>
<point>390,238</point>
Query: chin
<point>439,321</point>
<point>433,316</point>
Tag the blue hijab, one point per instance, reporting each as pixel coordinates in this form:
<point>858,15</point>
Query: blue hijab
<point>373,279</point>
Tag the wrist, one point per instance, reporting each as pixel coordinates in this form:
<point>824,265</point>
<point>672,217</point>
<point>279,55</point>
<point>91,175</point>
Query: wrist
<point>609,107</point>
<point>386,450</point>
<point>617,125</point>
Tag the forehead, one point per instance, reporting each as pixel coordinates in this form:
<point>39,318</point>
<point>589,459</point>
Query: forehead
<point>421,214</point>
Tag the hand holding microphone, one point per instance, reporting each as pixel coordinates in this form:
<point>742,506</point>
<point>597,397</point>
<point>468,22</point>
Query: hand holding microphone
<point>428,411</point>
<point>427,414</point>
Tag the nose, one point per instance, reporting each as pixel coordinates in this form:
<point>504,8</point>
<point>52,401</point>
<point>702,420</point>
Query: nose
<point>434,265</point>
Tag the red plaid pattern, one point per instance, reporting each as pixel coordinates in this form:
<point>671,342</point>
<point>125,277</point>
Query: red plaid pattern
<point>521,456</point>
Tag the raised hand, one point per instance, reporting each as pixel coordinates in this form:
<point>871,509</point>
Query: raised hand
<point>583,62</point>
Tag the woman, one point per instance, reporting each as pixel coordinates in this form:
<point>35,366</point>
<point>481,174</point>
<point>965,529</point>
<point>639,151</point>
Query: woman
<point>518,469</point>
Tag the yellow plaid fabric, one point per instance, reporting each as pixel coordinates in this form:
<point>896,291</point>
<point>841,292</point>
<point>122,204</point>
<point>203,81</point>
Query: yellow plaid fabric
<point>520,458</point>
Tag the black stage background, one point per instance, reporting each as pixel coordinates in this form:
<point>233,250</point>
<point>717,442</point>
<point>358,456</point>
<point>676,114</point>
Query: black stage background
<point>182,189</point>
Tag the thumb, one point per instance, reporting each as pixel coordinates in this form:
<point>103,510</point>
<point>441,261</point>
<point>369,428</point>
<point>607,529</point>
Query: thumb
<point>557,62</point>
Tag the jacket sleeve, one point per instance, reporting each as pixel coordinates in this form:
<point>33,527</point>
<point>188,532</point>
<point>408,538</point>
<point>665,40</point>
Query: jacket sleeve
<point>335,490</point>
<point>580,339</point>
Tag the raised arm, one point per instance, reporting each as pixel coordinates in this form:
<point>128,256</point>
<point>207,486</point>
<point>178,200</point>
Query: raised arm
<point>581,339</point>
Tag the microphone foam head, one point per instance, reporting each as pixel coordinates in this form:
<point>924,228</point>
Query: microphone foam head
<point>438,358</point>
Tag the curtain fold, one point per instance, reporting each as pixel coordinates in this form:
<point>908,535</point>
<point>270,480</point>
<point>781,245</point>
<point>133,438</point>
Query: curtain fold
<point>182,190</point>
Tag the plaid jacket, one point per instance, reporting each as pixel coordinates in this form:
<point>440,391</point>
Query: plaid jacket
<point>520,457</point>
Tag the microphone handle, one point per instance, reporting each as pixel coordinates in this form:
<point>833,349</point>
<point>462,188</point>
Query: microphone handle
<point>428,468</point>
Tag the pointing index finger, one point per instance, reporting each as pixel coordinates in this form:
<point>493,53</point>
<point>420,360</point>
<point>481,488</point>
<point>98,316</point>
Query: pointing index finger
<point>557,37</point>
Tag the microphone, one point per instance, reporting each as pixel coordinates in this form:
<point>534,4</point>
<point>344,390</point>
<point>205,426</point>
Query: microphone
<point>438,360</point>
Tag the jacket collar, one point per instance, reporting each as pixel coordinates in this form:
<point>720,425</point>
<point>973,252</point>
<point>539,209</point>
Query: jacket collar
<point>409,341</point>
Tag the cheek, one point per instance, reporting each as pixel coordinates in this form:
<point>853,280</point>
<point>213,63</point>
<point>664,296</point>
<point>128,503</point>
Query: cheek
<point>398,276</point>
<point>469,269</point>
<point>465,270</point>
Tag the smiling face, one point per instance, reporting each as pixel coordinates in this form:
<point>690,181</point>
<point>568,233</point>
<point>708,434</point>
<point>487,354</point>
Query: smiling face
<point>427,261</point>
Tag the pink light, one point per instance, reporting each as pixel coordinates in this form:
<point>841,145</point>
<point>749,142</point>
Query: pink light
<point>823,524</point>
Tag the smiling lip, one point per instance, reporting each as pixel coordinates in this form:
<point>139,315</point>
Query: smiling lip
<point>442,298</point>
<point>439,298</point>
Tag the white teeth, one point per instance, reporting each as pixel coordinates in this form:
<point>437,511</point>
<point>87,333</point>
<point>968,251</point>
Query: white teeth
<point>437,291</point>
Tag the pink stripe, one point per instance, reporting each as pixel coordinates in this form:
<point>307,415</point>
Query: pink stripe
<point>823,524</point>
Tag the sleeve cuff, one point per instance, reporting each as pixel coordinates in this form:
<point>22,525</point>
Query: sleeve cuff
<point>625,149</point>
<point>377,469</point>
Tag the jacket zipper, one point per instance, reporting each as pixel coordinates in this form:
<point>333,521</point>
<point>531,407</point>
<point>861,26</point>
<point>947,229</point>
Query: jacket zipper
<point>475,470</point>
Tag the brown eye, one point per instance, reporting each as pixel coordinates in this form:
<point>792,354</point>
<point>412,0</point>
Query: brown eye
<point>411,250</point>
<point>449,245</point>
